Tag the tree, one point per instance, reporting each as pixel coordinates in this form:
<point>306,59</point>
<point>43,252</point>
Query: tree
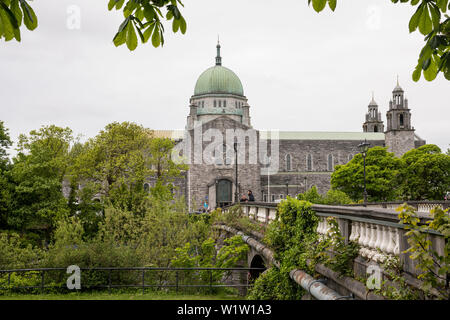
<point>143,16</point>
<point>435,55</point>
<point>382,169</point>
<point>37,173</point>
<point>163,167</point>
<point>114,165</point>
<point>5,186</point>
<point>425,173</point>
<point>5,143</point>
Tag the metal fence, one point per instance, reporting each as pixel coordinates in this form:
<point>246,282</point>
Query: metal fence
<point>141,272</point>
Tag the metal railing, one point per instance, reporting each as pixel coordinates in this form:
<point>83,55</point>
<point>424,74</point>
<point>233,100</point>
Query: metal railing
<point>141,284</point>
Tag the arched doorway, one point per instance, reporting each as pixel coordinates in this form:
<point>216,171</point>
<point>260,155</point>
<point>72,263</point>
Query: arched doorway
<point>223,192</point>
<point>257,262</point>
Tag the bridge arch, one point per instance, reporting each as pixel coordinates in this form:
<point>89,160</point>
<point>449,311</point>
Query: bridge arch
<point>257,262</point>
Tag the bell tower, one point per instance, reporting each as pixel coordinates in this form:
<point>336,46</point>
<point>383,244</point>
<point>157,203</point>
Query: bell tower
<point>373,118</point>
<point>399,134</point>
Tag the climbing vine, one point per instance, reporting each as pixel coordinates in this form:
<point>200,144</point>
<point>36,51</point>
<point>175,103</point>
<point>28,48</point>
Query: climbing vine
<point>433,266</point>
<point>293,237</point>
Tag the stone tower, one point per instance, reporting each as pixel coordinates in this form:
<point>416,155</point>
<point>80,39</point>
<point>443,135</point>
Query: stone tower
<point>373,118</point>
<point>399,135</point>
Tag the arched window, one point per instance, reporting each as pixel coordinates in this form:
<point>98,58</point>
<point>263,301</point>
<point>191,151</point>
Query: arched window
<point>288,162</point>
<point>330,162</point>
<point>220,103</point>
<point>215,105</point>
<point>235,104</point>
<point>401,119</point>
<point>224,103</point>
<point>375,129</point>
<point>272,198</point>
<point>203,104</point>
<point>309,162</point>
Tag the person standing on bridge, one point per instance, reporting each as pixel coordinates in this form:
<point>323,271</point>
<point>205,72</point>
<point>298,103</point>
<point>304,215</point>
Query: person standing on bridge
<point>250,196</point>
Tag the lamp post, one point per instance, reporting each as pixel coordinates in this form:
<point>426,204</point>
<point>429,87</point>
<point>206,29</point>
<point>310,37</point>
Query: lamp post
<point>363,147</point>
<point>236,193</point>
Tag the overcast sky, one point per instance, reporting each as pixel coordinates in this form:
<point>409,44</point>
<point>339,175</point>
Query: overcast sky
<point>300,70</point>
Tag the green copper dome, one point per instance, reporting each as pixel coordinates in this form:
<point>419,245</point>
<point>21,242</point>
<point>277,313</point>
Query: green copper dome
<point>218,79</point>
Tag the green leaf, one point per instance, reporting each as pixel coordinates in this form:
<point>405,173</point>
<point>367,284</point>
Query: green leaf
<point>332,4</point>
<point>425,25</point>
<point>414,21</point>
<point>140,34</point>
<point>15,8</point>
<point>131,37</point>
<point>111,4</point>
<point>319,5</point>
<point>442,4</point>
<point>156,38</point>
<point>119,38</point>
<point>148,32</point>
<point>175,25</point>
<point>426,64</point>
<point>431,72</point>
<point>182,25</point>
<point>435,16</point>
<point>29,17</point>
<point>8,30</point>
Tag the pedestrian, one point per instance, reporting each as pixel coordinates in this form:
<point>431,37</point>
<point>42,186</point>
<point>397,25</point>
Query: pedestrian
<point>243,198</point>
<point>250,196</point>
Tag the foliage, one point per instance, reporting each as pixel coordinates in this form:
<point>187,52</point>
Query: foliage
<point>273,284</point>
<point>164,169</point>
<point>312,195</point>
<point>434,266</point>
<point>332,197</point>
<point>205,256</point>
<point>15,254</point>
<point>235,218</point>
<point>382,170</point>
<point>289,235</point>
<point>396,287</point>
<point>12,14</point>
<point>425,173</point>
<point>341,254</point>
<point>145,17</point>
<point>37,173</point>
<point>336,197</point>
<point>5,143</point>
<point>115,163</point>
<point>435,55</point>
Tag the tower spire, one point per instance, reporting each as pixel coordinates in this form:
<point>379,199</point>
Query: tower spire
<point>218,57</point>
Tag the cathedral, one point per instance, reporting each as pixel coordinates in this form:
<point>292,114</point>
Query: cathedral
<point>227,156</point>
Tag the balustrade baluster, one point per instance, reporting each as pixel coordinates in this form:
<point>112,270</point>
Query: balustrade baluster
<point>391,243</point>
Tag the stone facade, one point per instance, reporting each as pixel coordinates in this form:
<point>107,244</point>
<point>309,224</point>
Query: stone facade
<point>298,159</point>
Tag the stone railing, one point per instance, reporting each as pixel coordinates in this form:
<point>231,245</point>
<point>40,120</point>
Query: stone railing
<point>421,206</point>
<point>377,230</point>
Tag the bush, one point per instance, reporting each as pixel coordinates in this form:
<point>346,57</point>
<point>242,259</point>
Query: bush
<point>15,254</point>
<point>274,284</point>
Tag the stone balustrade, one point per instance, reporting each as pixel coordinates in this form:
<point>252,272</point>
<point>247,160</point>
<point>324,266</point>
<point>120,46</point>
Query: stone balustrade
<point>421,206</point>
<point>377,230</point>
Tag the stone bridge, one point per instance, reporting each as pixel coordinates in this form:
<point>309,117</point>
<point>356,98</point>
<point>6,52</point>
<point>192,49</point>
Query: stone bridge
<point>377,230</point>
